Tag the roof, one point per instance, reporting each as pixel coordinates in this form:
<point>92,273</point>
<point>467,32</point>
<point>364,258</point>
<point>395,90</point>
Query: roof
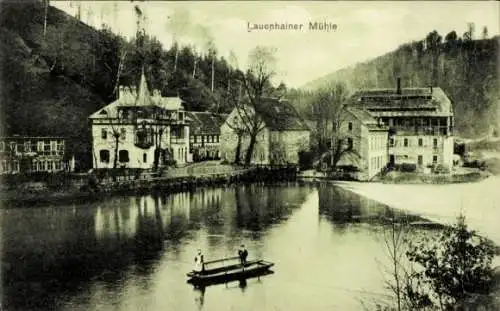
<point>30,137</point>
<point>205,123</point>
<point>432,100</point>
<point>129,97</point>
<point>362,115</point>
<point>366,118</point>
<point>280,115</point>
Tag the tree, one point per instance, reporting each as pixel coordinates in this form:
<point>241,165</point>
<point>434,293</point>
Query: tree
<point>456,267</point>
<point>256,83</point>
<point>116,134</point>
<point>46,10</point>
<point>485,33</point>
<point>433,41</point>
<point>330,111</point>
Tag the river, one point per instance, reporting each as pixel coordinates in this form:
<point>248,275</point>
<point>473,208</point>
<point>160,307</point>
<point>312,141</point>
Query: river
<point>132,252</point>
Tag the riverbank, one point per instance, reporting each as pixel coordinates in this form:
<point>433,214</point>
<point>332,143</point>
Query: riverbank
<point>182,179</point>
<point>465,175</point>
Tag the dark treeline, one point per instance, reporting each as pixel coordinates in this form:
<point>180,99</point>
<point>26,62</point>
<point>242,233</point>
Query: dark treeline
<point>56,71</point>
<point>465,67</point>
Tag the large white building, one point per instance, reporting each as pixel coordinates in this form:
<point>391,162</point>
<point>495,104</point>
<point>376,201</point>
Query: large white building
<point>420,123</point>
<point>138,128</point>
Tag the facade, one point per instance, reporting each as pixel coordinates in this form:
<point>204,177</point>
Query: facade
<point>282,135</point>
<point>367,138</point>
<point>19,154</point>
<point>420,122</point>
<point>139,130</point>
<point>204,135</point>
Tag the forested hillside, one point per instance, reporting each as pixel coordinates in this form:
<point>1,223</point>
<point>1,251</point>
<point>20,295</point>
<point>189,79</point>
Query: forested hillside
<point>466,69</point>
<point>55,74</point>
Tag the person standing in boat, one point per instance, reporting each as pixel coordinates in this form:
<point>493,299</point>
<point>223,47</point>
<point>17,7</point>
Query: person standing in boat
<point>243,253</point>
<point>198,262</point>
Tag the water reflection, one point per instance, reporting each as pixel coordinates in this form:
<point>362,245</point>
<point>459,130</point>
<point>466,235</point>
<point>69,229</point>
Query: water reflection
<point>132,252</point>
<point>199,296</point>
<point>344,208</point>
<point>52,253</point>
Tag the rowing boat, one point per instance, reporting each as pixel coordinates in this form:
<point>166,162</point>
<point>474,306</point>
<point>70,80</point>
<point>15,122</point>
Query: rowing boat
<point>229,269</point>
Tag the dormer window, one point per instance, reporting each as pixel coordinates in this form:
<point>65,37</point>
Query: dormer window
<point>103,112</point>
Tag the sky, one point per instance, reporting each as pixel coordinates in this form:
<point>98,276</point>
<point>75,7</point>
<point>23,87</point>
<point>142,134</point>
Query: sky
<point>364,30</point>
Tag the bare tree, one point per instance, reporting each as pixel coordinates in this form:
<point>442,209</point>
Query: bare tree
<point>330,106</point>
<point>233,64</point>
<point>256,83</point>
<point>116,134</point>
<point>47,3</point>
<point>485,32</point>
<point>212,53</point>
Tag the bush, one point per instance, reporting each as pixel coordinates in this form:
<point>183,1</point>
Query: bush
<point>441,169</point>
<point>408,167</point>
<point>457,265</point>
<point>476,164</point>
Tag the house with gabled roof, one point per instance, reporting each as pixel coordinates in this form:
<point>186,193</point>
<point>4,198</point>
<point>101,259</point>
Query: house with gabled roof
<point>140,130</point>
<point>281,138</point>
<point>204,134</point>
<point>365,143</point>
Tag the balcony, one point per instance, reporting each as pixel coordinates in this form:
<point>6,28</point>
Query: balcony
<point>178,141</point>
<point>426,130</point>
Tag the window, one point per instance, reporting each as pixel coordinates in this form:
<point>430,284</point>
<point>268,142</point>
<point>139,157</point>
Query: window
<point>57,165</point>
<point>391,142</point>
<point>104,134</point>
<point>420,160</point>
<point>46,146</point>
<point>144,158</point>
<point>104,156</point>
<point>53,147</point>
<point>350,126</point>
<point>123,156</point>
<point>405,142</point>
<point>349,143</point>
<point>435,143</point>
<point>40,146</point>
<point>27,146</point>
<point>434,159</point>
<point>123,133</point>
<point>420,142</point>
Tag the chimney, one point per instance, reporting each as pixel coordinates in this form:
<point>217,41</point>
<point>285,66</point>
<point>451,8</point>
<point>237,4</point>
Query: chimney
<point>398,89</point>
<point>121,90</point>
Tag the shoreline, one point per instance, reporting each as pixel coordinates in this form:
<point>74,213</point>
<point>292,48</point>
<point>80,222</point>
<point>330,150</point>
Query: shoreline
<point>14,198</point>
